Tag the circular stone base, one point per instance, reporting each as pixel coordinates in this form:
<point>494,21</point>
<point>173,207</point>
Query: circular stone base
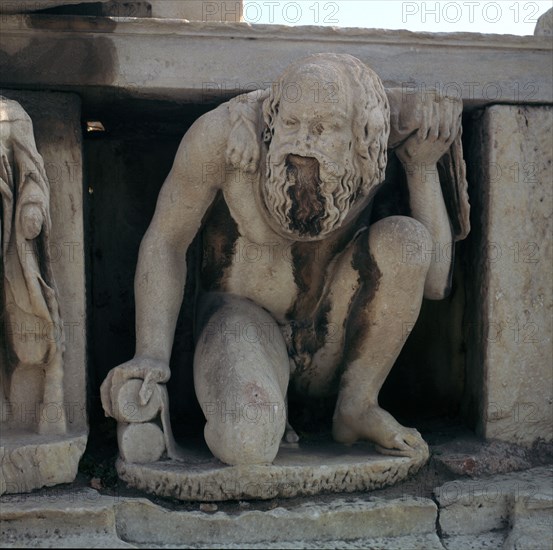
<point>299,470</point>
<point>31,461</point>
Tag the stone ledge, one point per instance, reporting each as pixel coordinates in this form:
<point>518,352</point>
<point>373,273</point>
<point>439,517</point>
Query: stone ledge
<point>522,501</point>
<point>84,518</point>
<point>142,58</point>
<point>412,542</point>
<point>32,461</point>
<point>341,520</point>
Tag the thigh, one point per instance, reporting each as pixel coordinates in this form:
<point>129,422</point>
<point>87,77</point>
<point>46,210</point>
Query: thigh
<point>240,352</point>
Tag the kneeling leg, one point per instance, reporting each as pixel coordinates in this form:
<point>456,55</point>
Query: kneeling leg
<point>241,373</point>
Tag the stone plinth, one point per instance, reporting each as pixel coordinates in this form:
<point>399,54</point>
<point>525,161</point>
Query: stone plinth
<point>30,460</point>
<point>298,470</point>
<point>510,328</point>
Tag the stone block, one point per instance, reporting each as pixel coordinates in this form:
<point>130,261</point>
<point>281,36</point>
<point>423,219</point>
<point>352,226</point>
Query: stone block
<point>84,518</point>
<point>340,521</point>
<point>495,503</point>
<point>510,327</point>
<point>81,516</point>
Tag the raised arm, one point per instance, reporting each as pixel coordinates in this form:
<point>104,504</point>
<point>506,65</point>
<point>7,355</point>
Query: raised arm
<point>197,174</point>
<point>439,126</point>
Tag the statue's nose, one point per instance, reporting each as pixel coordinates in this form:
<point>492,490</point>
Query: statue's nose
<point>304,139</point>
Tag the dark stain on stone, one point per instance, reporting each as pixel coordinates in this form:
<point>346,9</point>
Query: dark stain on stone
<point>219,242</point>
<point>126,8</point>
<point>71,23</point>
<point>358,322</point>
<point>308,317</point>
<point>77,60</point>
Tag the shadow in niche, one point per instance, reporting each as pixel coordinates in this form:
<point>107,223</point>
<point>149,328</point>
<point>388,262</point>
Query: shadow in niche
<point>125,169</point>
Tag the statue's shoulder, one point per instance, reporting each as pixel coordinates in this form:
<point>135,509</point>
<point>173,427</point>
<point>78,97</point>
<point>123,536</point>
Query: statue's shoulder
<point>11,111</point>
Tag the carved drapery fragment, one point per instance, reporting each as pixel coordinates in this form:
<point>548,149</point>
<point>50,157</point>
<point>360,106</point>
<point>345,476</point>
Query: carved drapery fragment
<point>32,329</point>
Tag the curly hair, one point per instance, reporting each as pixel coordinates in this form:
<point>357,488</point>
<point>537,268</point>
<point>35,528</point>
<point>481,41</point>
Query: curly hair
<point>371,120</point>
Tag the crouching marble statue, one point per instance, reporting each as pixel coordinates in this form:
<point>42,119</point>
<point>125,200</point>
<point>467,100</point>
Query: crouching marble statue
<point>294,169</point>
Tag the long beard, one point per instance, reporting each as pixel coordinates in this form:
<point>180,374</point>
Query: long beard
<point>308,204</point>
<point>307,193</point>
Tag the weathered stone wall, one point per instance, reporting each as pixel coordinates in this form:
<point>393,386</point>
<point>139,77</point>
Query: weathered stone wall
<point>509,319</point>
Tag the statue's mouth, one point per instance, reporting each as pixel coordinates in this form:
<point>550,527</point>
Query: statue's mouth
<point>308,205</point>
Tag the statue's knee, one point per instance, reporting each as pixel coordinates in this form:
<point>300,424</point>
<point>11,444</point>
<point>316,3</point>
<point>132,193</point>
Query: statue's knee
<point>246,433</point>
<point>401,242</point>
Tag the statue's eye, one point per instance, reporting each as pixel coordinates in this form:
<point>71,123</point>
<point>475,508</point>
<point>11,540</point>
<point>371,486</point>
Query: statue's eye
<point>290,122</point>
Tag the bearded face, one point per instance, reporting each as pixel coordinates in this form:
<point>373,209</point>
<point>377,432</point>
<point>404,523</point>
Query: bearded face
<point>308,192</point>
<point>320,171</point>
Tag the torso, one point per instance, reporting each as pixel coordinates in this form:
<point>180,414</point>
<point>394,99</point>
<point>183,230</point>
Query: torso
<point>244,256</point>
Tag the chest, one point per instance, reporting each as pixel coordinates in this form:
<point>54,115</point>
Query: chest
<point>243,256</point>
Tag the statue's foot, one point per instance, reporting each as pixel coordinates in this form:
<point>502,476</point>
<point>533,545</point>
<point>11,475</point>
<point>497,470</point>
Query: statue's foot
<point>376,425</point>
<point>290,435</point>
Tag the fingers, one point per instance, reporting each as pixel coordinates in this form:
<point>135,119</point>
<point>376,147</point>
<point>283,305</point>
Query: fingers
<point>446,121</point>
<point>148,387</point>
<point>234,156</point>
<point>246,161</point>
<point>434,130</point>
<point>146,391</point>
<point>425,121</point>
<point>105,394</point>
<point>151,371</point>
<point>243,158</point>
